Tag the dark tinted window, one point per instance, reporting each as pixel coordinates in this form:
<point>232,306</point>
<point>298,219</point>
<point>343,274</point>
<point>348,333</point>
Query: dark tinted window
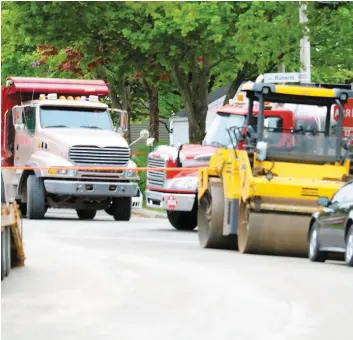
<point>29,119</point>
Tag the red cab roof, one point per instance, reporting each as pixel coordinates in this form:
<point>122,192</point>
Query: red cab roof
<point>54,85</point>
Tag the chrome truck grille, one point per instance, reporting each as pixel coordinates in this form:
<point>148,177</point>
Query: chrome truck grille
<point>96,156</point>
<point>155,178</point>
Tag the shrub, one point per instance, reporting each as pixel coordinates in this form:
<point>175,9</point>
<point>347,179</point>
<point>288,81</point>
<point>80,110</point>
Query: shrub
<point>141,161</point>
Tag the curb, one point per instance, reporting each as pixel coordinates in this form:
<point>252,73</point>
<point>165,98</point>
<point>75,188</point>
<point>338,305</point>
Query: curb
<point>148,213</point>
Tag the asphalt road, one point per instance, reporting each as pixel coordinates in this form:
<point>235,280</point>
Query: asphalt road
<point>110,280</point>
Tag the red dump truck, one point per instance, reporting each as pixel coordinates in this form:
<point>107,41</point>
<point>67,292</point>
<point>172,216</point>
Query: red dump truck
<point>56,132</point>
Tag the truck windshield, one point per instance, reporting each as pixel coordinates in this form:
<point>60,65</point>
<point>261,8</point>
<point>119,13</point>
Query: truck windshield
<point>218,135</point>
<point>75,118</point>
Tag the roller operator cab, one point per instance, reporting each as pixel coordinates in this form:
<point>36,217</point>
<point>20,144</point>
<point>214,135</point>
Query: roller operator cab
<point>176,191</point>
<point>260,200</point>
<point>56,132</point>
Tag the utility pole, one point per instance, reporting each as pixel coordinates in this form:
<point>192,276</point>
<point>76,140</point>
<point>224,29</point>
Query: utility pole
<point>305,68</point>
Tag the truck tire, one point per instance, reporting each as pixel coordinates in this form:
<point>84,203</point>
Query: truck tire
<point>88,214</point>
<point>5,252</point>
<point>183,220</point>
<point>3,255</point>
<point>23,209</point>
<point>121,208</point>
<point>8,250</point>
<point>35,198</point>
<point>109,210</point>
<point>3,198</point>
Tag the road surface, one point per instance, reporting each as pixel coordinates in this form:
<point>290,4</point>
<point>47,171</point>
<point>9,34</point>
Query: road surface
<point>143,280</point>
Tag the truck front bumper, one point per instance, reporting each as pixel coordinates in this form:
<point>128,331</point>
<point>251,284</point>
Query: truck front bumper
<point>167,201</point>
<point>84,188</point>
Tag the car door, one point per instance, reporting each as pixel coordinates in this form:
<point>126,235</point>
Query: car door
<point>328,220</point>
<point>347,207</point>
<point>332,225</point>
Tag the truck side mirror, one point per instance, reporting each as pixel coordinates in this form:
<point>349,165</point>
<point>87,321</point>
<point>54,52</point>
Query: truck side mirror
<point>17,115</point>
<point>150,142</point>
<point>144,134</point>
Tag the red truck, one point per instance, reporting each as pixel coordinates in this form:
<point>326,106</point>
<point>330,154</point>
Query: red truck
<point>55,132</point>
<point>176,191</point>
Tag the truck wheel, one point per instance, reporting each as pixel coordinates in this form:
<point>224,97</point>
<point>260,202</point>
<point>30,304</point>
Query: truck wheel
<point>5,252</point>
<point>88,214</point>
<point>3,198</point>
<point>35,198</point>
<point>23,209</point>
<point>183,220</point>
<point>109,210</point>
<point>7,232</point>
<point>121,208</point>
<point>3,255</point>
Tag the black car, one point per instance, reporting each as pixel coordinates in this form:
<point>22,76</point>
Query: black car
<point>332,229</point>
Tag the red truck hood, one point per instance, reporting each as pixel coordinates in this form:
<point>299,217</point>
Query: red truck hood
<point>190,151</point>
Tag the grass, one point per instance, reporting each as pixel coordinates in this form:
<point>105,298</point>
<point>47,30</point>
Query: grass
<point>152,209</point>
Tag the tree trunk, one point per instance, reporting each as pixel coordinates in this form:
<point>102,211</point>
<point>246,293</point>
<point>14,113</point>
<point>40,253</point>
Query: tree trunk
<point>154,111</point>
<point>195,96</point>
<point>125,106</point>
<point>248,72</point>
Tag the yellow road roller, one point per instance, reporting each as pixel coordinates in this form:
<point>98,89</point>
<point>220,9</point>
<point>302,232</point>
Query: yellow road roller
<point>258,195</point>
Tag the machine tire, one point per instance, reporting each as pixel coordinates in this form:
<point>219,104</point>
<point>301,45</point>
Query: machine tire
<point>183,220</point>
<point>87,214</point>
<point>349,247</point>
<point>314,254</point>
<point>210,220</point>
<point>35,198</point>
<point>121,208</point>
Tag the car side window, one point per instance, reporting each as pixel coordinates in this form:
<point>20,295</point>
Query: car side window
<point>343,194</point>
<point>29,119</point>
<point>349,193</point>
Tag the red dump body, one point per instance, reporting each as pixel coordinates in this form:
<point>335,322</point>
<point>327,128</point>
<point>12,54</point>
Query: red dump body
<point>21,89</point>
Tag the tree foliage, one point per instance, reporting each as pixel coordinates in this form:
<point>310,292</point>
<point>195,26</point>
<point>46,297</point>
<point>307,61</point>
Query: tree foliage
<point>157,56</point>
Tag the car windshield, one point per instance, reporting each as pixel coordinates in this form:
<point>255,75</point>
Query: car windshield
<point>218,135</point>
<point>75,118</point>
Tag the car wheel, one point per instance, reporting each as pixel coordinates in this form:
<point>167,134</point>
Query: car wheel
<point>315,255</point>
<point>349,247</point>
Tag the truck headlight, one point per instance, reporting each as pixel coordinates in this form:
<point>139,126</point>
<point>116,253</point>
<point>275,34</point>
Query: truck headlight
<point>185,183</point>
<point>62,172</point>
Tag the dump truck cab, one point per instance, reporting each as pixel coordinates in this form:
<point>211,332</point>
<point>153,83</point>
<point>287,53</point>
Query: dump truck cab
<point>262,202</point>
<point>64,148</point>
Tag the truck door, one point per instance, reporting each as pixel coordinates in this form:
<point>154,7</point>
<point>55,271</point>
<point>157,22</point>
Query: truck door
<point>24,138</point>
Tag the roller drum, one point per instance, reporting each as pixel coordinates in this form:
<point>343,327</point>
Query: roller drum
<point>273,233</point>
